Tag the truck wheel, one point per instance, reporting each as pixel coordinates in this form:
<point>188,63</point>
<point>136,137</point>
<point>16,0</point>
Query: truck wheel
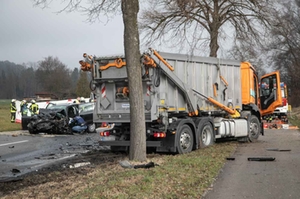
<point>206,135</point>
<point>254,128</point>
<point>91,128</point>
<point>184,140</point>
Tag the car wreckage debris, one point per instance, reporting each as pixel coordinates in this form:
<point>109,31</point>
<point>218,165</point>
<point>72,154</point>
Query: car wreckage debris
<point>276,149</point>
<point>81,164</point>
<point>127,165</point>
<point>261,159</point>
<point>146,166</point>
<point>15,171</point>
<point>230,158</point>
<point>50,122</point>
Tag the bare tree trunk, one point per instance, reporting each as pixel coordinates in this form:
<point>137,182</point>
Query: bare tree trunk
<point>130,9</point>
<point>214,46</point>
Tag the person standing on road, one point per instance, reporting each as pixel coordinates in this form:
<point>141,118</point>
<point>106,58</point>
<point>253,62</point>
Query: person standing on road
<point>13,111</point>
<point>34,108</point>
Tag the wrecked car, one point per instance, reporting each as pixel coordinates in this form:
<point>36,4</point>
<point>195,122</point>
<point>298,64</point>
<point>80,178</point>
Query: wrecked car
<point>56,117</point>
<point>86,112</point>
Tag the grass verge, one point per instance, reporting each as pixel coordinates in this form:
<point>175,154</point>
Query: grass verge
<point>294,116</point>
<point>176,176</point>
<point>5,124</point>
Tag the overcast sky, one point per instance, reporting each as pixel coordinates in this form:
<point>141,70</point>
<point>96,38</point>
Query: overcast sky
<point>29,34</point>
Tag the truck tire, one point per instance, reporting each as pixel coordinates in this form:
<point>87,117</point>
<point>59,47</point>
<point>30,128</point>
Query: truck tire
<point>206,134</point>
<point>91,128</point>
<point>254,129</point>
<point>184,139</point>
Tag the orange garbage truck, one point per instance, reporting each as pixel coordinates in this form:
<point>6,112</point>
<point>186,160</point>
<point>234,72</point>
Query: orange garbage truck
<point>190,101</point>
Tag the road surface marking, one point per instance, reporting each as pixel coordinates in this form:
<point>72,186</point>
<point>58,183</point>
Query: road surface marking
<point>14,143</point>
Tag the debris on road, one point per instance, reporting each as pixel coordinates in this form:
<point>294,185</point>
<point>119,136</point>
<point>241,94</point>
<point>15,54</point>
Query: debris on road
<point>276,149</point>
<point>284,150</point>
<point>261,159</point>
<point>146,166</point>
<point>15,171</point>
<point>81,164</point>
<point>125,164</point>
<point>230,158</point>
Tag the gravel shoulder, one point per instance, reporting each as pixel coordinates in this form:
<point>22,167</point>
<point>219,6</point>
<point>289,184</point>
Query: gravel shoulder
<point>280,178</point>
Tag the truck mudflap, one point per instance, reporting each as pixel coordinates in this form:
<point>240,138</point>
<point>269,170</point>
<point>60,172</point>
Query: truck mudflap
<point>127,143</point>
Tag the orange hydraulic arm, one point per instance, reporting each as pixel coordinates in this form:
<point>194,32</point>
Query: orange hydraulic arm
<point>220,105</point>
<point>123,90</point>
<point>118,63</point>
<point>162,59</point>
<point>148,61</point>
<point>86,65</point>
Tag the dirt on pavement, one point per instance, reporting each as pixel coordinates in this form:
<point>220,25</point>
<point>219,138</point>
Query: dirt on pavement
<point>59,173</point>
<point>262,179</point>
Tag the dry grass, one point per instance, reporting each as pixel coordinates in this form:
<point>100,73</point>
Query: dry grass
<point>5,124</point>
<point>294,116</point>
<point>177,176</point>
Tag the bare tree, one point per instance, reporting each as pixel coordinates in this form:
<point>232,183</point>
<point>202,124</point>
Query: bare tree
<point>285,46</point>
<point>246,51</point>
<point>28,82</point>
<point>17,81</point>
<point>53,76</point>
<point>130,9</point>
<point>203,23</point>
<point>82,88</point>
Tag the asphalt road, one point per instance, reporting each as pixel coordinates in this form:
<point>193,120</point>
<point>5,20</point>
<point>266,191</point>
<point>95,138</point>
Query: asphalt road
<point>278,179</point>
<point>21,152</point>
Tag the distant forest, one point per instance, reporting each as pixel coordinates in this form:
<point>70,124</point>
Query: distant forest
<point>47,76</point>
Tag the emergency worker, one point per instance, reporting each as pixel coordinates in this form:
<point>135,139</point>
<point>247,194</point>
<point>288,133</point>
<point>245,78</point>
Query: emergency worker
<point>78,125</point>
<point>34,108</point>
<point>13,110</point>
<point>24,108</point>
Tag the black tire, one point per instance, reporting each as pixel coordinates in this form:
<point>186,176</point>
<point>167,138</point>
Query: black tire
<point>184,139</point>
<point>91,128</point>
<point>30,129</point>
<point>254,129</point>
<point>206,134</point>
